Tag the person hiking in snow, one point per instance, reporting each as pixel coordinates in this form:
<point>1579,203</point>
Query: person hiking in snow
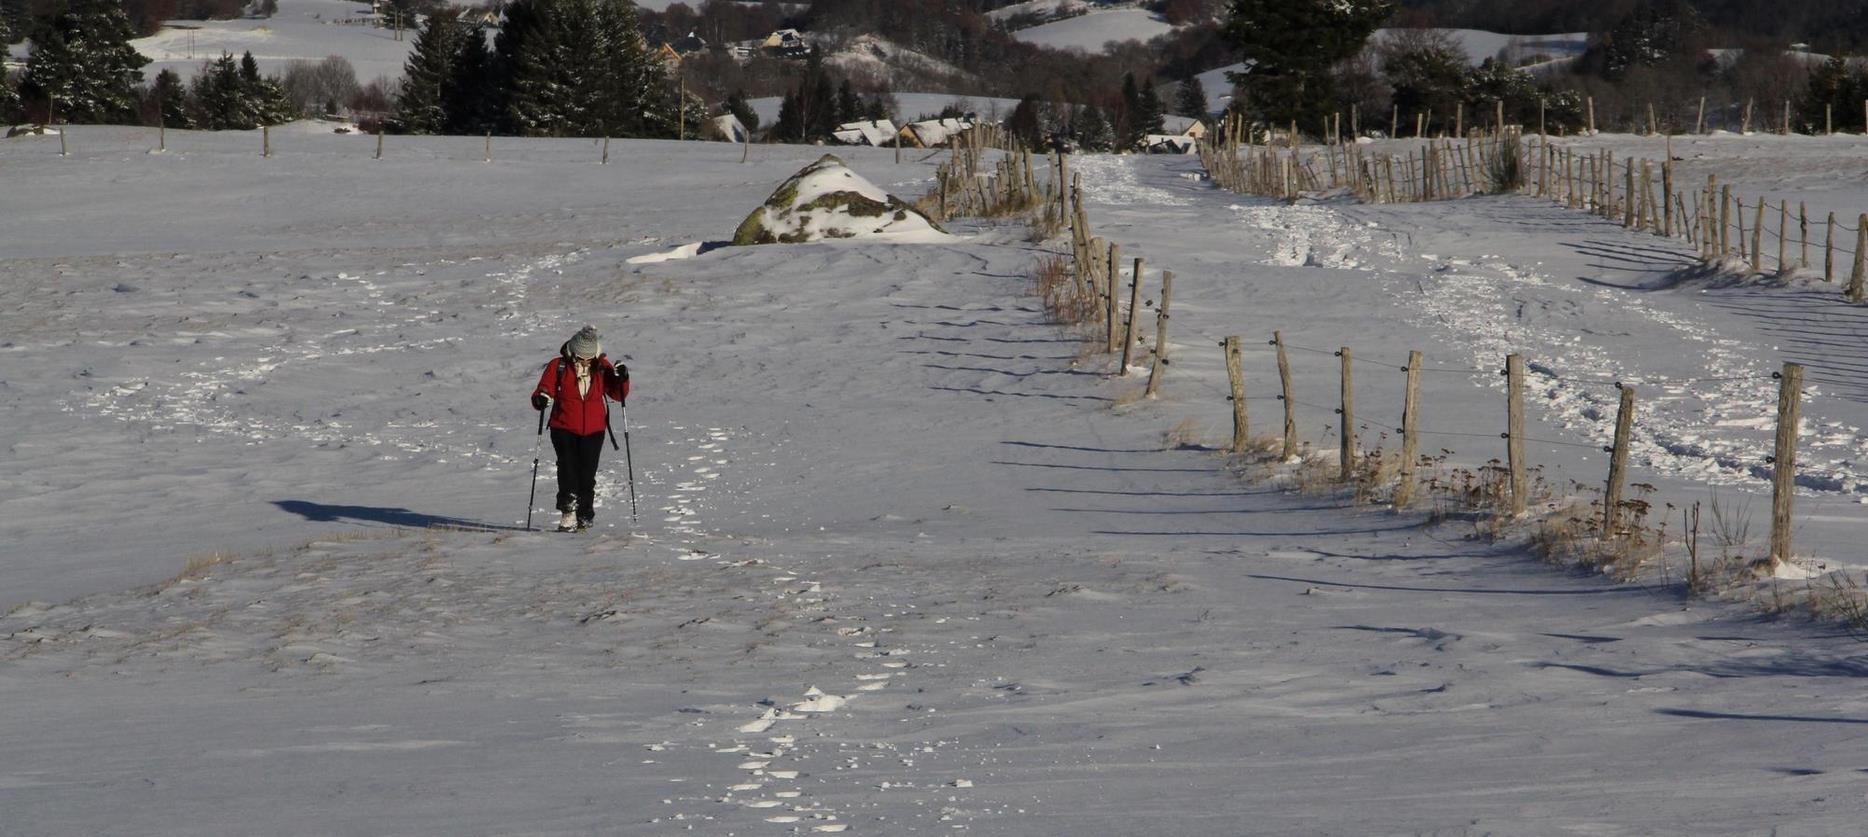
<point>575,387</point>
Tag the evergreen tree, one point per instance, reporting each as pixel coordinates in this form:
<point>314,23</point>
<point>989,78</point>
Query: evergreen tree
<point>426,76</point>
<point>220,97</point>
<point>790,124</point>
<point>1126,134</point>
<point>1153,115</point>
<point>82,62</point>
<point>9,100</point>
<point>172,100</point>
<point>736,105</point>
<point>820,101</point>
<point>638,98</point>
<point>1290,48</point>
<point>265,97</point>
<point>1650,34</point>
<point>464,98</point>
<point>544,72</point>
<point>1192,100</point>
<point>1427,73</point>
<point>1025,124</point>
<point>877,108</point>
<point>849,106</point>
<point>1830,95</point>
<point>1142,113</point>
<point>1093,132</point>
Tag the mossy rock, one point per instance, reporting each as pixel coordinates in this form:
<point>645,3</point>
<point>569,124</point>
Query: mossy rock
<point>841,205</point>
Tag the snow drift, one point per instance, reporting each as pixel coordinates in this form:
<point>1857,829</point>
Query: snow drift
<point>827,200</point>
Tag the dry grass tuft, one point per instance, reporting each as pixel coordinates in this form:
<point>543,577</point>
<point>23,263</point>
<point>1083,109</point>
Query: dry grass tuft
<point>1065,298</point>
<point>1186,435</point>
<point>198,566</point>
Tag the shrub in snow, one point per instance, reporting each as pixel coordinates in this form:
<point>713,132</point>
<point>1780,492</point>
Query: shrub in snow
<point>827,200</point>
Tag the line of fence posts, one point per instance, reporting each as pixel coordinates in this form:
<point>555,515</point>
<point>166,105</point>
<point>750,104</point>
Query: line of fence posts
<point>1722,224</point>
<point>1621,190</point>
<point>1517,495</point>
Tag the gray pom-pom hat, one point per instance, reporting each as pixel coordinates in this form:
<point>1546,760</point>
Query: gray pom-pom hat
<point>586,344</point>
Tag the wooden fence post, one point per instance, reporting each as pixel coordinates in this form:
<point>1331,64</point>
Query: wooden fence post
<point>1630,215</point>
<point>265,140</point>
<point>1666,195</point>
<point>1618,461</point>
<point>489,147</point>
<point>606,151</point>
<point>1725,220</point>
<point>1113,284</point>
<point>379,141</point>
<point>1783,234</point>
<point>1346,446</point>
<point>1803,233</point>
<point>1861,259</point>
<point>1135,304</point>
<point>1284,387</point>
<point>1410,432</point>
<point>1784,460</point>
<point>1235,374</point>
<point>1829,251</point>
<point>1161,335</point>
<point>1514,432</point>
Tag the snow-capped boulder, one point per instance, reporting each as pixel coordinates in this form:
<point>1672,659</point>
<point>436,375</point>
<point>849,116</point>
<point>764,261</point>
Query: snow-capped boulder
<point>827,200</point>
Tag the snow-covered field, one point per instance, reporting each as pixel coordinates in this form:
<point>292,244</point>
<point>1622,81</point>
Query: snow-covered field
<point>909,560</point>
<point>909,107</point>
<point>303,30</point>
<point>1095,29</point>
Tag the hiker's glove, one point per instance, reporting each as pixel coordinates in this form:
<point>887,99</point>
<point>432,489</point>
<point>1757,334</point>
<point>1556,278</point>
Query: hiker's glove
<point>540,401</point>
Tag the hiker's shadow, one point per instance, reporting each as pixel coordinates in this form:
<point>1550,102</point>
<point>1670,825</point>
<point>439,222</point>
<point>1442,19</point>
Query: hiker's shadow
<point>322,513</point>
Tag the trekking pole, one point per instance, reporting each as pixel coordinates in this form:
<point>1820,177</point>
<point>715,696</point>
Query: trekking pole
<point>532,498</point>
<point>628,461</point>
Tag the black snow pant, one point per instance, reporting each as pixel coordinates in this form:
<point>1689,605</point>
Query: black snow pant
<point>577,471</point>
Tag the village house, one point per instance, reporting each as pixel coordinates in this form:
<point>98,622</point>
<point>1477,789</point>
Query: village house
<point>876,132</point>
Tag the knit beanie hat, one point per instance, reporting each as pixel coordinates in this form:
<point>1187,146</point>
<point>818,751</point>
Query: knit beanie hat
<point>586,343</point>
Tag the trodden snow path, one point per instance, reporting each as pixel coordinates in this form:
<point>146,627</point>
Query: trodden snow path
<point>908,562</point>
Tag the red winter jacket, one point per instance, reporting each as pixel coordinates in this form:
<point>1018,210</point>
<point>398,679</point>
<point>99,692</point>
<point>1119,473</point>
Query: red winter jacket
<point>582,414</point>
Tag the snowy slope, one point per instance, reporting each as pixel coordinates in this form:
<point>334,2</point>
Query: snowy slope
<point>1480,45</point>
<point>1092,30</point>
<point>909,107</point>
<point>303,30</point>
<point>909,558</point>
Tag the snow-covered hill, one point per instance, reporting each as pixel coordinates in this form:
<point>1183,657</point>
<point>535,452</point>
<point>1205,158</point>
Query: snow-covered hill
<point>1095,29</point>
<point>303,30</point>
<point>910,556</point>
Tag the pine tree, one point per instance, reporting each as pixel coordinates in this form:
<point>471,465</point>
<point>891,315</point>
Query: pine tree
<point>821,100</point>
<point>465,98</point>
<point>421,103</point>
<point>542,71</point>
<point>172,100</point>
<point>1092,130</point>
<point>83,64</point>
<point>265,97</point>
<point>736,105</point>
<point>849,106</point>
<point>790,124</point>
<point>221,96</point>
<point>1153,117</point>
<point>1025,124</point>
<point>9,100</point>
<point>1290,48</point>
<point>1191,101</point>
